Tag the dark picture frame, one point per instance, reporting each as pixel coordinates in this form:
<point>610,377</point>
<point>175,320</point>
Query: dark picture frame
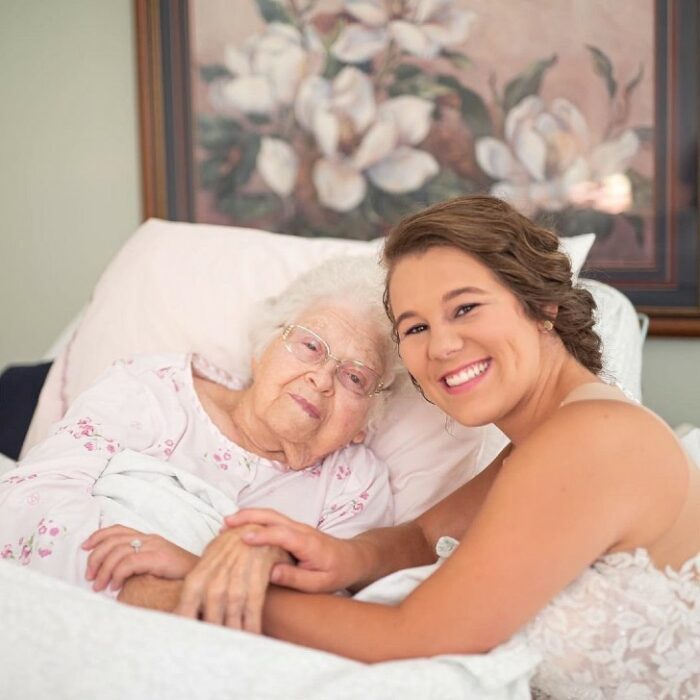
<point>668,289</point>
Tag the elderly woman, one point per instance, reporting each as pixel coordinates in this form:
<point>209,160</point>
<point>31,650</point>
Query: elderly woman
<point>290,439</point>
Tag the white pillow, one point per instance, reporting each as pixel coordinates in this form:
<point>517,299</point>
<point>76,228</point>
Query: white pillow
<point>178,287</point>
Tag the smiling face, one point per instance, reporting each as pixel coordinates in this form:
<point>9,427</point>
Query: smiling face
<point>463,335</point>
<point>304,407</point>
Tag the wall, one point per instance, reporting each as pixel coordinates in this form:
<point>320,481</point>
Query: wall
<point>69,184</point>
<point>671,379</point>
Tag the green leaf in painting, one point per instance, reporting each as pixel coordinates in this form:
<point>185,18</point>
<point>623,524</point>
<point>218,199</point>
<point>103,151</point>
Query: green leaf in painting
<point>391,208</point>
<point>332,68</point>
<point>573,222</point>
<point>473,108</point>
<point>642,189</point>
<point>217,134</point>
<point>637,224</point>
<point>603,67</point>
<point>459,60</point>
<point>273,11</point>
<point>629,88</point>
<point>210,173</point>
<point>250,147</point>
<point>248,207</point>
<point>445,185</point>
<point>417,83</point>
<point>526,83</point>
<point>212,72</point>
<point>645,133</point>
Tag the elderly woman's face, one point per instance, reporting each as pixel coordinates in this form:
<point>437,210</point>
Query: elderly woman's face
<point>307,406</point>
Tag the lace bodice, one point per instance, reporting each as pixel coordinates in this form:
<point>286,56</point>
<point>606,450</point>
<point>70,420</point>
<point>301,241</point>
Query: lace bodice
<point>624,630</point>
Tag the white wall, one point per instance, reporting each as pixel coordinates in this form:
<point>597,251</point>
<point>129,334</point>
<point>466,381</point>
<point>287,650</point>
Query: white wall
<point>69,181</point>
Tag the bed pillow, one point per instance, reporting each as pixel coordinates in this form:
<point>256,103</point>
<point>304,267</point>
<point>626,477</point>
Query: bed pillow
<point>179,287</point>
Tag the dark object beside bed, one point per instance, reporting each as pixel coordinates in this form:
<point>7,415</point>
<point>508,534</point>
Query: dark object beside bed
<point>20,386</point>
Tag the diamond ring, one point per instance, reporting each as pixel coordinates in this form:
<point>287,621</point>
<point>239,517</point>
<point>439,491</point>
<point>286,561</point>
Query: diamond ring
<point>136,544</point>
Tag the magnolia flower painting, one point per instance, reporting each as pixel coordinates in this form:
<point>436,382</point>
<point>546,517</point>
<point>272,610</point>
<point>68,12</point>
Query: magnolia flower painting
<point>338,117</point>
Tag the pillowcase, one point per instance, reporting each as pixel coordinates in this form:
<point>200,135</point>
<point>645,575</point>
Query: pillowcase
<point>180,287</point>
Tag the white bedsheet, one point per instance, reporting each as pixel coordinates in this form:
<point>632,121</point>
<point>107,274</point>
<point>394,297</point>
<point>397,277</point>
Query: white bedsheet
<point>60,642</point>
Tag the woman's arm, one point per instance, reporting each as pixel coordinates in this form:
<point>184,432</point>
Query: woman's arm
<point>562,500</point>
<point>327,564</point>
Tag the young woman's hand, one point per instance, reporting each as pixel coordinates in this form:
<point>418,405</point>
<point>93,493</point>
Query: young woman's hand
<point>113,559</point>
<point>228,585</point>
<point>324,564</point>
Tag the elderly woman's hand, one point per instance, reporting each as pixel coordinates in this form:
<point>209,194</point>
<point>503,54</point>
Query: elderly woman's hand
<point>229,583</point>
<point>324,564</point>
<point>114,559</point>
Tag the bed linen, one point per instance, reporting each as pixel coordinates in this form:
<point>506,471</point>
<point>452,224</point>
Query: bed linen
<point>62,642</point>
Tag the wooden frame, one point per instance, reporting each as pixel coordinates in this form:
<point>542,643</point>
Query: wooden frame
<point>669,293</point>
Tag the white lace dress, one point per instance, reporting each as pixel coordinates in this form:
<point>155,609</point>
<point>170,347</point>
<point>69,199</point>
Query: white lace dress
<point>624,630</point>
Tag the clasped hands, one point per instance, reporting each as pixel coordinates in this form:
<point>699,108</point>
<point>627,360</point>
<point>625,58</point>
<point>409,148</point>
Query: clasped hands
<point>228,583</point>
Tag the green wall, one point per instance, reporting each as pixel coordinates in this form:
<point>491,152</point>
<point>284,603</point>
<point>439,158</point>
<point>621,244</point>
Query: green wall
<point>69,180</point>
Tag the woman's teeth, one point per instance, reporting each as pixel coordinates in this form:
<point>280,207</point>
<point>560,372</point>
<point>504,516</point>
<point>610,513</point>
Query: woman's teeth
<point>466,374</point>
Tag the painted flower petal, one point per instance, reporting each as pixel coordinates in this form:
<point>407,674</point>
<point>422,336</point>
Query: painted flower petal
<point>314,93</point>
<point>411,38</point>
<point>339,185</point>
<point>531,150</point>
<point>278,165</point>
<point>522,114</point>
<point>353,95</point>
<point>369,12</point>
<point>517,195</point>
<point>236,60</point>
<point>614,156</point>
<point>495,158</point>
<point>450,27</point>
<point>412,116</point>
<point>569,115</point>
<point>278,55</point>
<point>327,131</point>
<point>404,170</point>
<point>549,195</point>
<point>576,173</point>
<point>357,44</point>
<point>378,142</point>
<point>251,94</point>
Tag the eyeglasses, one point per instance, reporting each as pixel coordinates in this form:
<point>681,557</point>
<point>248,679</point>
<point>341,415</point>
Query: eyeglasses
<point>311,349</point>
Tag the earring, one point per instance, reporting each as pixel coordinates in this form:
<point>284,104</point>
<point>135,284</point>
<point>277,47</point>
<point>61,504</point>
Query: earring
<point>547,326</point>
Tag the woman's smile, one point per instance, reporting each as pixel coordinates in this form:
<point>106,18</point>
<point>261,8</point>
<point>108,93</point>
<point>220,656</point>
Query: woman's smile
<point>466,377</point>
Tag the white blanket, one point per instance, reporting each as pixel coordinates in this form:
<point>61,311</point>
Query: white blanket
<point>60,642</point>
<point>155,496</point>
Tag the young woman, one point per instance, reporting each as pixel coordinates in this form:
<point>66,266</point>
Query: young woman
<point>584,535</point>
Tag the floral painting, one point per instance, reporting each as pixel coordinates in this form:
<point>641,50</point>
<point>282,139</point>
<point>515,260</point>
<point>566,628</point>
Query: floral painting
<point>339,117</point>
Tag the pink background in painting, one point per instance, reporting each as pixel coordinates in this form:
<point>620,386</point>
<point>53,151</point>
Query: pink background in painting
<point>507,36</point>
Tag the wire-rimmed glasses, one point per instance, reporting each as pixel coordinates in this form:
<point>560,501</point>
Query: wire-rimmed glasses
<point>310,348</point>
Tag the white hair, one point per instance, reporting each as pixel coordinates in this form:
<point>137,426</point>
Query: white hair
<point>351,282</point>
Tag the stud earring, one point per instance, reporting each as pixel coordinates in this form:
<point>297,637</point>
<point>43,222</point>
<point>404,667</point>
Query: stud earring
<point>547,326</point>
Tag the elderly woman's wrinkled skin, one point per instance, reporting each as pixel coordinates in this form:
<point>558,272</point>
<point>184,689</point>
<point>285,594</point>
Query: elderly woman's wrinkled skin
<point>292,412</point>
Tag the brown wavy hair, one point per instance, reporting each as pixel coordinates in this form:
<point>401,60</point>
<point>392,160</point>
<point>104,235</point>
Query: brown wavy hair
<point>524,256</point>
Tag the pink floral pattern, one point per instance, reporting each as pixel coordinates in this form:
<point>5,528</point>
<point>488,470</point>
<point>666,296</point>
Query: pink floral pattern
<point>314,472</point>
<point>17,479</point>
<point>42,541</point>
<point>343,472</point>
<point>85,430</point>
